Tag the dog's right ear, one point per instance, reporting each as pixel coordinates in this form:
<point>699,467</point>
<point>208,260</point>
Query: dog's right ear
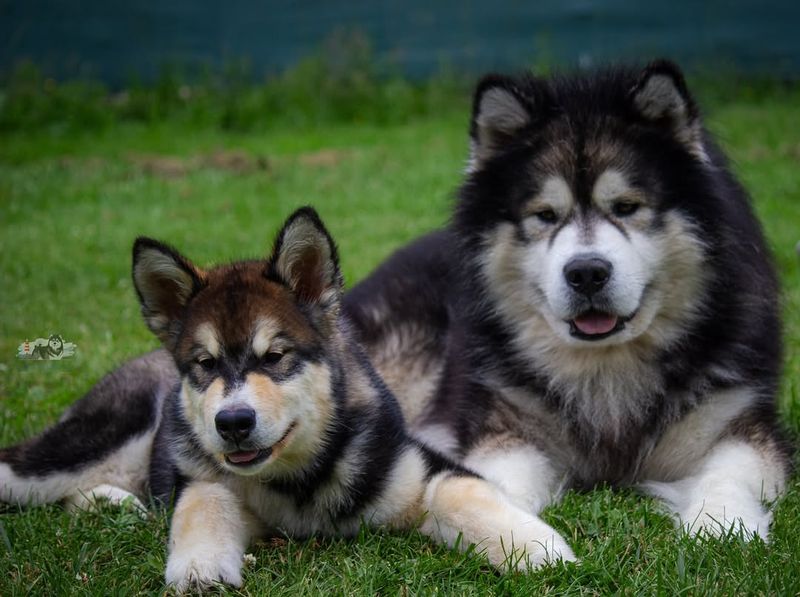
<point>500,110</point>
<point>165,282</point>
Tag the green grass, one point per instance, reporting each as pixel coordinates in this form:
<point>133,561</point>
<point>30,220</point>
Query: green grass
<point>73,199</point>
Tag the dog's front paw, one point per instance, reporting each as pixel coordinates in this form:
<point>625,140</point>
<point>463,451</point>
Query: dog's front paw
<point>534,548</point>
<point>717,520</point>
<point>540,553</point>
<point>465,510</point>
<point>199,568</point>
<point>530,544</point>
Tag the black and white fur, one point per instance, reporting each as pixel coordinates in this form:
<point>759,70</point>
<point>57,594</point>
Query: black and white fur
<point>602,309</point>
<point>263,415</point>
<point>670,387</point>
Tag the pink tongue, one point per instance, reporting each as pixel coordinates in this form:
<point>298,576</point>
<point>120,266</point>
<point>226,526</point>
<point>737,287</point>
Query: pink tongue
<point>594,322</point>
<point>240,457</point>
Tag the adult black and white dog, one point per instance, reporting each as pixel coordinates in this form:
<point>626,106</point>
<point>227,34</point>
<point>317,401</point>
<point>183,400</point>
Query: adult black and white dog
<point>602,309</point>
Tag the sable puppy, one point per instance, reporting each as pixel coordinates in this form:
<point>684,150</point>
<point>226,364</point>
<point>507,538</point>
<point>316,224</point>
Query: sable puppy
<point>270,419</point>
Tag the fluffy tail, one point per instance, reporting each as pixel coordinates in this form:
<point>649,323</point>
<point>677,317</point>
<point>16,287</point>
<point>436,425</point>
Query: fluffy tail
<point>103,440</point>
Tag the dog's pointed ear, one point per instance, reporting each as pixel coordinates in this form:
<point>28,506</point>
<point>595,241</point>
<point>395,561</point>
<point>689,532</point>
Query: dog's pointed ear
<point>661,96</point>
<point>500,110</point>
<point>305,259</point>
<point>165,282</point>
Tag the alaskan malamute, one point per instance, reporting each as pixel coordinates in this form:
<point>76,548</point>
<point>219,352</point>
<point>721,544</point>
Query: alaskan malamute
<point>269,418</point>
<point>602,308</point>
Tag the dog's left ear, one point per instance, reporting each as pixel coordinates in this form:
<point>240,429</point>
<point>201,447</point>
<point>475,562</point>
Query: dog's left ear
<point>661,96</point>
<point>306,260</point>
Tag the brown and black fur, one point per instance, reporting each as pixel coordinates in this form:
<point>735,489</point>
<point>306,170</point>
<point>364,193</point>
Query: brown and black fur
<point>261,415</point>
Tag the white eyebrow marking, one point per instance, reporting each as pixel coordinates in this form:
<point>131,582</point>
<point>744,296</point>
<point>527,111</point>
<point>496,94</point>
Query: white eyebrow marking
<point>556,194</point>
<point>206,335</point>
<point>610,185</point>
<point>264,332</point>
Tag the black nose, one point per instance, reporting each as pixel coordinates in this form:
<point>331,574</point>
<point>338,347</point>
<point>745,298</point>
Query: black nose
<point>588,274</point>
<point>235,424</point>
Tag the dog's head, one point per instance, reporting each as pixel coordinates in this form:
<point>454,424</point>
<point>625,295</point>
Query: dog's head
<point>55,343</point>
<point>252,341</point>
<point>584,198</point>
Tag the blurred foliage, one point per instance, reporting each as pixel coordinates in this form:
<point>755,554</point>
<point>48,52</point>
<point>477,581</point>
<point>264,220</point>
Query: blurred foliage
<point>341,82</point>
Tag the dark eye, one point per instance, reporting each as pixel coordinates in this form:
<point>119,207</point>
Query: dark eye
<point>548,216</point>
<point>624,208</point>
<point>207,363</point>
<point>271,358</point>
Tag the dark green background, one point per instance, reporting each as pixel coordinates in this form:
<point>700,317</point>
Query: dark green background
<point>117,41</point>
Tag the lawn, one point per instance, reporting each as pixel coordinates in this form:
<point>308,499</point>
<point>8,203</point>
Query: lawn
<point>71,203</point>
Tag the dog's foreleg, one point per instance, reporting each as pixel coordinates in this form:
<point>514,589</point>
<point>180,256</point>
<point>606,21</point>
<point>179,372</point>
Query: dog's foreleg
<point>210,531</point>
<point>727,492</point>
<point>465,510</point>
<point>522,472</point>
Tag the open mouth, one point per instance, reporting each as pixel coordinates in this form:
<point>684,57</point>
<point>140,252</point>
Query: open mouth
<point>245,458</point>
<point>596,325</point>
